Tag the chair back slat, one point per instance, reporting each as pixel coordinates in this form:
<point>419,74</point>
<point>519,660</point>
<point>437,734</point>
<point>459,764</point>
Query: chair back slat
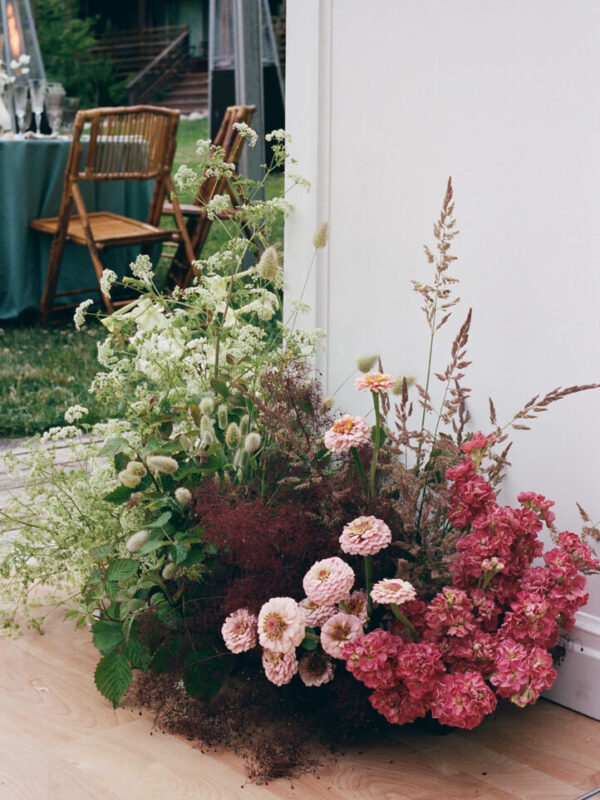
<point>133,143</point>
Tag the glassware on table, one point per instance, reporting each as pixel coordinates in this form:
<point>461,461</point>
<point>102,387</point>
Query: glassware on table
<point>70,110</point>
<point>20,99</point>
<point>55,101</point>
<point>37,89</point>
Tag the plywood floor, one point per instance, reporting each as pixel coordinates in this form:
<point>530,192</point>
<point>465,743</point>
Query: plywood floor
<point>60,740</point>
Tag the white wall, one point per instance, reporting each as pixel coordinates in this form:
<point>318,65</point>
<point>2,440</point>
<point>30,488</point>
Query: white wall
<point>385,100</point>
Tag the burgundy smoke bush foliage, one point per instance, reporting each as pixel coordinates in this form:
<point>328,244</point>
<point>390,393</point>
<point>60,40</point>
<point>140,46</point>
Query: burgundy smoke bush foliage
<point>266,549</point>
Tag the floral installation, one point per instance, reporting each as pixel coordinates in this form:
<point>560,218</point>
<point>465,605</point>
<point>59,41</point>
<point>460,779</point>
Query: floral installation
<point>241,553</point>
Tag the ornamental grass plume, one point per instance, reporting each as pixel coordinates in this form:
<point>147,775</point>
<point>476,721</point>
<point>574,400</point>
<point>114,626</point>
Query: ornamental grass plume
<point>320,237</point>
<point>366,363</point>
<point>268,264</point>
<point>135,542</point>
<point>164,464</point>
<point>183,496</point>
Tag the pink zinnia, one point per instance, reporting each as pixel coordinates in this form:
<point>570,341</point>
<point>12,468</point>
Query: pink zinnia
<point>338,631</point>
<point>347,432</point>
<point>377,382</point>
<point>279,668</point>
<point>281,625</point>
<point>328,581</point>
<point>365,536</point>
<point>239,631</point>
<point>315,669</point>
<point>393,590</point>
<point>316,615</point>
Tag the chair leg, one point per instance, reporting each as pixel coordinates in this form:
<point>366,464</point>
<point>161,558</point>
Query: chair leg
<point>56,253</point>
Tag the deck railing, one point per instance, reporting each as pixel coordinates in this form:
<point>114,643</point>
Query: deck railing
<point>161,71</point>
<point>131,51</point>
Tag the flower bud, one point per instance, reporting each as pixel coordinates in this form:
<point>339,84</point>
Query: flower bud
<point>136,468</point>
<point>222,416</point>
<point>207,405</point>
<point>170,571</point>
<point>244,425</point>
<point>252,442</point>
<point>232,435</point>
<point>137,541</point>
<point>397,388</point>
<point>320,237</point>
<point>183,496</point>
<point>366,363</point>
<point>206,424</point>
<point>128,479</point>
<point>268,265</point>
<point>164,464</point>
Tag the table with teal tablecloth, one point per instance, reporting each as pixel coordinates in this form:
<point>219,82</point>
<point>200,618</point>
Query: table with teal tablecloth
<point>31,180</point>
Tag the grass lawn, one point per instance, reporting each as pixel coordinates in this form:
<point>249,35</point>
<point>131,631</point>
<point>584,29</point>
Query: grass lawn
<point>44,371</point>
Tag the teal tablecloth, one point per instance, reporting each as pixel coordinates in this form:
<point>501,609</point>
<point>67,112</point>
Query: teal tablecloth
<point>31,180</point>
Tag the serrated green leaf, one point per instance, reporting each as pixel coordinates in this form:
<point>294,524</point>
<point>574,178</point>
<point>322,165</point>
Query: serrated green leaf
<point>114,446</point>
<point>107,635</point>
<point>159,522</point>
<point>119,495</point>
<point>220,387</point>
<point>113,676</point>
<point>196,555</point>
<point>120,461</point>
<point>100,552</point>
<point>111,588</point>
<point>137,654</point>
<point>121,569</point>
<point>156,540</point>
<point>178,553</point>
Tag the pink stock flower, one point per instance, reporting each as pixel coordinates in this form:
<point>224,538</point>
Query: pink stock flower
<point>397,706</point>
<point>356,604</point>
<point>462,699</point>
<point>315,669</point>
<point>347,432</point>
<point>377,382</point>
<point>478,441</point>
<point>279,668</point>
<point>419,666</point>
<point>521,673</point>
<point>316,615</point>
<point>372,658</point>
<point>239,631</point>
<point>365,536</point>
<point>393,590</point>
<point>581,552</point>
<point>450,613</point>
<point>281,625</point>
<point>531,621</point>
<point>328,581</point>
<point>337,631</point>
<point>539,504</point>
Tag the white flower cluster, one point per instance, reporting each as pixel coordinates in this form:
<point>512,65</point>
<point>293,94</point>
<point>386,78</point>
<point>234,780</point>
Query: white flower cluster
<point>247,132</point>
<point>75,413</point>
<point>142,269</point>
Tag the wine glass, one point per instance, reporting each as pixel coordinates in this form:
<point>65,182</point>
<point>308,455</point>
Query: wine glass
<point>37,89</point>
<point>55,102</point>
<point>20,98</point>
<point>70,110</point>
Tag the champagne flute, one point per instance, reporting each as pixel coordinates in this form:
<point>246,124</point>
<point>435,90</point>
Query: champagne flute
<point>55,101</point>
<point>20,98</point>
<point>37,89</point>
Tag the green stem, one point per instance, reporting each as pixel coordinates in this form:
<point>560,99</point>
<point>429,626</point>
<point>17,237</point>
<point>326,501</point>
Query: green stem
<point>360,470</point>
<point>312,636</point>
<point>369,582</point>
<point>375,447</point>
<point>399,615</point>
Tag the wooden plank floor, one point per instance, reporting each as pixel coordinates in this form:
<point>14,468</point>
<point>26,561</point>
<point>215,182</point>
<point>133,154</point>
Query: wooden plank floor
<point>60,740</point>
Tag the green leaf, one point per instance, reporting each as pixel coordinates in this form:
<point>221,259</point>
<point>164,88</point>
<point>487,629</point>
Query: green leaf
<point>196,414</point>
<point>137,654</point>
<point>220,387</point>
<point>204,678</point>
<point>196,555</point>
<point>378,435</point>
<point>160,521</point>
<point>119,495</point>
<point>113,676</point>
<point>121,569</point>
<point>100,552</point>
<point>309,644</point>
<point>179,553</point>
<point>156,540</point>
<point>107,635</point>
<point>114,446</point>
<point>121,460</point>
<point>71,614</point>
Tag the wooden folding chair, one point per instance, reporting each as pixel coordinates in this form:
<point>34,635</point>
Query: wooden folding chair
<point>181,271</point>
<point>134,143</point>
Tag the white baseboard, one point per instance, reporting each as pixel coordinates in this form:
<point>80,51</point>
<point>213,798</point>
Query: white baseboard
<point>578,681</point>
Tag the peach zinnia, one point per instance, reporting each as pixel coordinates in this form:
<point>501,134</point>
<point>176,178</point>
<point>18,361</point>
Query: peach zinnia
<point>239,631</point>
<point>281,625</point>
<point>393,590</point>
<point>377,382</point>
<point>279,668</point>
<point>338,631</point>
<point>347,432</point>
<point>365,536</point>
